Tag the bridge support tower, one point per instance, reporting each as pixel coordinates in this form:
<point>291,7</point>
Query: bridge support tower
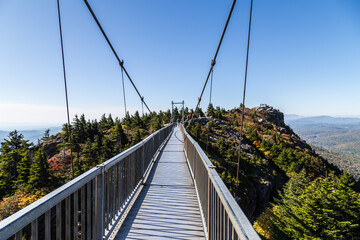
<point>182,110</point>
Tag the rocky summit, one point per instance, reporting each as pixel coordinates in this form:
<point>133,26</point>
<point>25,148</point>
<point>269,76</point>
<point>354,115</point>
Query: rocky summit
<point>270,153</point>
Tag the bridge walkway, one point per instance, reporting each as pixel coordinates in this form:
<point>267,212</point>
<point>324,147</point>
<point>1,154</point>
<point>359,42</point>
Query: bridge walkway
<point>167,206</point>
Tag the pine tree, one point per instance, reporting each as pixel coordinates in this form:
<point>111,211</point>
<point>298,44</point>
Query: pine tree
<point>106,150</point>
<point>326,208</point>
<point>137,137</point>
<point>46,135</point>
<point>210,111</point>
<point>39,171</point>
<point>136,121</point>
<point>118,137</point>
<point>12,152</point>
<point>23,170</point>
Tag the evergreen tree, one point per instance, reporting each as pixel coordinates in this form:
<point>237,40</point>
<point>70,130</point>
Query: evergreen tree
<point>137,137</point>
<point>46,135</point>
<point>210,111</point>
<point>12,152</point>
<point>103,123</point>
<point>199,113</point>
<point>39,171</point>
<point>136,121</point>
<point>118,137</point>
<point>106,150</point>
<point>326,208</point>
<point>23,170</point>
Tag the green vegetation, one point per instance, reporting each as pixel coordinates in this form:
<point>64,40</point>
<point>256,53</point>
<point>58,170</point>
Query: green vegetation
<point>291,191</point>
<point>348,162</point>
<point>28,172</point>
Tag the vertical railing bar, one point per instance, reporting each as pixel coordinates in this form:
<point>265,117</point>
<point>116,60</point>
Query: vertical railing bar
<point>119,188</point>
<point>227,225</point>
<point>88,210</point>
<point>220,217</point>
<point>116,187</point>
<point>127,174</point>
<point>83,224</point>
<point>19,235</point>
<point>213,213</point>
<point>208,207</point>
<point>48,224</point>
<point>107,208</point>
<point>143,167</point>
<point>67,218</point>
<point>111,188</point>
<point>100,184</point>
<point>58,221</point>
<point>216,216</point>
<point>93,211</point>
<point>76,215</point>
<point>34,230</point>
<point>110,172</point>
<point>114,193</point>
<point>122,182</point>
<point>223,221</point>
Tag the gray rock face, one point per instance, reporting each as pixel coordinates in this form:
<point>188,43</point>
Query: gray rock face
<point>50,146</point>
<point>272,114</point>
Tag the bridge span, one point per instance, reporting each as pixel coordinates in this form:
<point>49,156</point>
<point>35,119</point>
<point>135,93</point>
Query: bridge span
<point>165,187</point>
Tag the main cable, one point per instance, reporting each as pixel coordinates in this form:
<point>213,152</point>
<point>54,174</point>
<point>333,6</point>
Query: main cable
<point>121,63</point>
<point>66,92</point>
<point>211,82</point>
<point>243,103</point>
<point>213,61</point>
<point>123,84</point>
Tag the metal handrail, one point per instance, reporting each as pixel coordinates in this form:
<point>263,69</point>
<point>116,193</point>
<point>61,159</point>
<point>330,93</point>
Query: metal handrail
<point>89,205</point>
<point>223,217</point>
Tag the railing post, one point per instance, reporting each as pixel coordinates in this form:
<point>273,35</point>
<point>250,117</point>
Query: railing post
<point>100,187</point>
<point>208,208</point>
<point>194,161</point>
<point>153,147</point>
<point>143,163</point>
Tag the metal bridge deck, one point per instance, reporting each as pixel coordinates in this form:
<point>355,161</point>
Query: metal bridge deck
<point>167,206</point>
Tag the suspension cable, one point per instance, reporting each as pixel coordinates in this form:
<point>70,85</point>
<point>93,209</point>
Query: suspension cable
<point>66,92</point>
<point>243,103</point>
<point>213,61</point>
<point>211,82</point>
<point>121,63</point>
<point>142,107</point>
<point>123,84</point>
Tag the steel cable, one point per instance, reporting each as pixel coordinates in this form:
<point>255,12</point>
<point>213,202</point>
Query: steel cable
<point>243,103</point>
<point>121,63</point>
<point>213,61</point>
<point>66,92</point>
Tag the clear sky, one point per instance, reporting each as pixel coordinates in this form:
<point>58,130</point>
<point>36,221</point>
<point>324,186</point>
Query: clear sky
<point>304,56</point>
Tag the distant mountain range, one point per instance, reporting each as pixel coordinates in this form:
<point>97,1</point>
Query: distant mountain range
<point>333,135</point>
<point>299,120</point>
<point>31,135</point>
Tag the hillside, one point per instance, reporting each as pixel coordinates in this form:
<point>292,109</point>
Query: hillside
<point>340,135</point>
<point>337,139</point>
<point>273,160</point>
<point>28,171</point>
<point>348,162</point>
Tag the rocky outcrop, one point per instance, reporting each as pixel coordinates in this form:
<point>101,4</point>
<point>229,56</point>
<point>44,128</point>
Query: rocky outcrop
<point>272,115</point>
<point>50,145</point>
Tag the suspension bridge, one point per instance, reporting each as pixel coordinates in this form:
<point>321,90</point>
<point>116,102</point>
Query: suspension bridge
<point>164,187</point>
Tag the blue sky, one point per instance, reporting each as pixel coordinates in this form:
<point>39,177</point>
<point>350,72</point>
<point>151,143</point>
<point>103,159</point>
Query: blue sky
<point>304,56</point>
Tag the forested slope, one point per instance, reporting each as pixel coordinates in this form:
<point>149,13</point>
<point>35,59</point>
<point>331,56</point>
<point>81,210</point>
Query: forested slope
<point>285,186</point>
